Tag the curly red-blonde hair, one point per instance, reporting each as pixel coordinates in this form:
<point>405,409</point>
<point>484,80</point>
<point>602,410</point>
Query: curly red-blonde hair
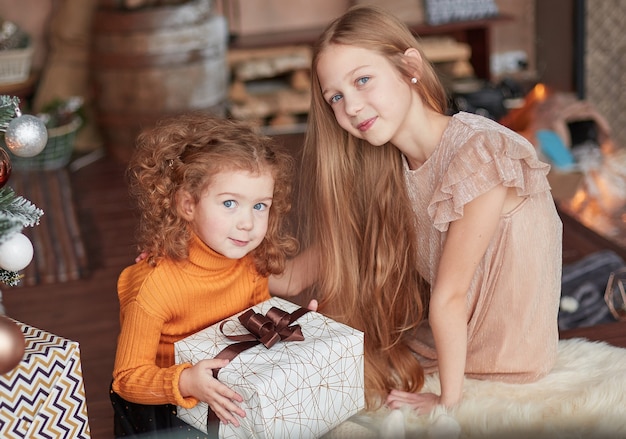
<point>183,153</point>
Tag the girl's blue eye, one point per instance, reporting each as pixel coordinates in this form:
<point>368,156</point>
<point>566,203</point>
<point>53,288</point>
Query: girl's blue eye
<point>229,204</point>
<point>334,99</point>
<point>260,206</point>
<point>362,80</point>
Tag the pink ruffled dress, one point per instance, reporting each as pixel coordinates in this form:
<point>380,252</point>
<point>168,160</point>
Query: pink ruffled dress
<point>513,299</point>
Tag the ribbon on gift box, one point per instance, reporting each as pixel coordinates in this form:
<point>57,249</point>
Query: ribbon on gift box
<point>275,325</point>
<point>262,329</point>
<point>268,329</point>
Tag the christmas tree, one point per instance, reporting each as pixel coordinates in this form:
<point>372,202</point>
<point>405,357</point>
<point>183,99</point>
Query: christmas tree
<point>16,212</point>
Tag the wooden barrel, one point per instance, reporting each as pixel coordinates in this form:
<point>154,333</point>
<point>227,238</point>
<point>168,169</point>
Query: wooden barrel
<point>155,62</point>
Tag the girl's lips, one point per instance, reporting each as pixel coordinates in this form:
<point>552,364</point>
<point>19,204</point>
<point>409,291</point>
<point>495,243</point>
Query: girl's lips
<point>366,124</point>
<point>239,243</point>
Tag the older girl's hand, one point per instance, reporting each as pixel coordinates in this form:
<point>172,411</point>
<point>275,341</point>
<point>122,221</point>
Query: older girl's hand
<point>198,381</point>
<point>423,403</point>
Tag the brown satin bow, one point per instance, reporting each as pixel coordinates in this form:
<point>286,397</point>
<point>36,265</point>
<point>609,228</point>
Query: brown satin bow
<point>265,329</point>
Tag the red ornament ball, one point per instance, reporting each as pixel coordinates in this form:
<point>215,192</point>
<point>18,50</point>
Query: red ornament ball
<point>12,345</point>
<point>5,167</point>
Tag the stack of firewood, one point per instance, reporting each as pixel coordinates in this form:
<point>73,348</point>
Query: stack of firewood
<point>270,86</point>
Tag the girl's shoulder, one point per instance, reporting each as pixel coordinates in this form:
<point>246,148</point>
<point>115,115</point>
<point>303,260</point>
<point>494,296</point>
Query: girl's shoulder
<point>479,154</point>
<point>464,123</point>
<point>469,132</point>
<point>134,278</point>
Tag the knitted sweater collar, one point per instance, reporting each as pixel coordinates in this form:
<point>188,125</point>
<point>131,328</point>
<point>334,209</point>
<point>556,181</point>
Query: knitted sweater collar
<point>203,258</point>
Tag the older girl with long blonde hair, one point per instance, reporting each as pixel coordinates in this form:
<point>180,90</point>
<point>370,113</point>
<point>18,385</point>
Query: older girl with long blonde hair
<point>436,235</point>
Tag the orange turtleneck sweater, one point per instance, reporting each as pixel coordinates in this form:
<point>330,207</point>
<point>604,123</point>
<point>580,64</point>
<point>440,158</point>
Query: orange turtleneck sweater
<point>163,304</point>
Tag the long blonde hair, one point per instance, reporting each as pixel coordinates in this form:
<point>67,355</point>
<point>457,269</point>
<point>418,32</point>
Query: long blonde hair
<point>360,217</point>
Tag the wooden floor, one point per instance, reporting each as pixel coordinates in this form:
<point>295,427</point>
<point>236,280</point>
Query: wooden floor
<point>87,310</point>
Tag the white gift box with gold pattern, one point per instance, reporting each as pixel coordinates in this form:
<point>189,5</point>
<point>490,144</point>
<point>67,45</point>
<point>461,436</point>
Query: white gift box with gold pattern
<point>295,389</point>
<point>44,396</point>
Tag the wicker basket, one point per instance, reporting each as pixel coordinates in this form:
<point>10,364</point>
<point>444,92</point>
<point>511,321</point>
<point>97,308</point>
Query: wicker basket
<point>57,152</point>
<point>15,65</point>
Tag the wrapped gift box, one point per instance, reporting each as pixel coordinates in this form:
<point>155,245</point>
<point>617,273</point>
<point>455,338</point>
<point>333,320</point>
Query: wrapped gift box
<point>295,389</point>
<point>44,396</point>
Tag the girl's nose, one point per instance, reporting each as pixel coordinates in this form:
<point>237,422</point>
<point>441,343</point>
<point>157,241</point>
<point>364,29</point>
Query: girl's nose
<point>353,105</point>
<point>245,221</point>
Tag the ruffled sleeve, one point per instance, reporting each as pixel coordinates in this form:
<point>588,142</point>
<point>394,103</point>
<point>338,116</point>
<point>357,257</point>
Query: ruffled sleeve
<point>485,159</point>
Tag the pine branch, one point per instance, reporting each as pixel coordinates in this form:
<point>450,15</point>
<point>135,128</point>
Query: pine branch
<point>10,278</point>
<point>8,107</point>
<point>16,212</point>
<point>8,227</point>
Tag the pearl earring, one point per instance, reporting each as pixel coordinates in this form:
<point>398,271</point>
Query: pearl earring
<point>413,80</point>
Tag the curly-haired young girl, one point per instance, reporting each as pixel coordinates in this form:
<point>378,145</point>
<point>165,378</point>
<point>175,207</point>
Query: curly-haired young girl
<point>213,196</point>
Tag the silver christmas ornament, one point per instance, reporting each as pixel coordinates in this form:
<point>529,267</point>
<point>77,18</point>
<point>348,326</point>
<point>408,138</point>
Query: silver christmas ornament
<point>26,136</point>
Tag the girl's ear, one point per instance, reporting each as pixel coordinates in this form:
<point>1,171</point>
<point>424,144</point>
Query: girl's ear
<point>185,204</point>
<point>413,58</point>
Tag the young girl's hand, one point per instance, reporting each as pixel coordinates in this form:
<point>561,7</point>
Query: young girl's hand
<point>423,403</point>
<point>141,257</point>
<point>198,381</point>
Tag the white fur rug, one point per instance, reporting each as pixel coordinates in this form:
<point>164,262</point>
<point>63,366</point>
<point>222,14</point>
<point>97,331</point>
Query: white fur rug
<point>583,397</point>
